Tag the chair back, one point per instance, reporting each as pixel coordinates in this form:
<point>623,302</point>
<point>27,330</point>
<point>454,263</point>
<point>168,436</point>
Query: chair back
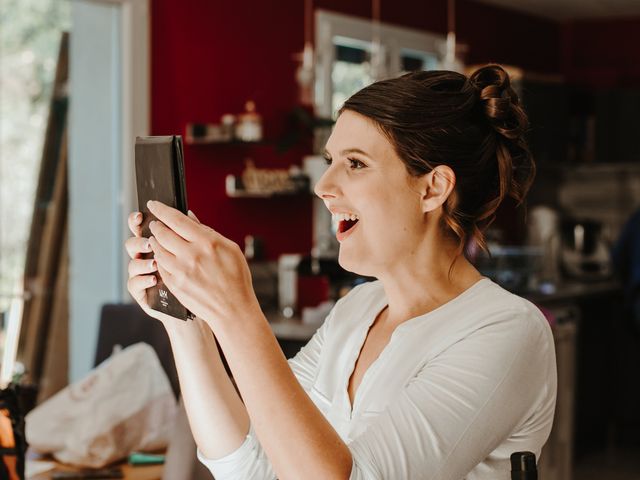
<point>126,324</point>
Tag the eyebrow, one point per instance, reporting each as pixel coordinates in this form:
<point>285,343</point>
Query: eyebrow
<point>348,151</point>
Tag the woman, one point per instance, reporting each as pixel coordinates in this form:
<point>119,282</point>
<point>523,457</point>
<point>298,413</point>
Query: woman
<point>432,371</point>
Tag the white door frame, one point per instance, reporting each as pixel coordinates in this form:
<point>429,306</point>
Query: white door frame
<point>109,107</point>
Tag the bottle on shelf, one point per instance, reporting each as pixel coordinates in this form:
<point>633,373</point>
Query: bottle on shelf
<point>253,248</point>
<point>227,125</point>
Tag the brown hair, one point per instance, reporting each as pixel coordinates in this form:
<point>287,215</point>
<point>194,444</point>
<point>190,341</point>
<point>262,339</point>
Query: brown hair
<point>474,125</point>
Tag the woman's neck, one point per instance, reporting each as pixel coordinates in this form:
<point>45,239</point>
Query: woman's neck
<point>413,289</point>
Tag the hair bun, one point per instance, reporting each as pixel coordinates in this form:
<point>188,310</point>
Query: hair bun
<point>500,101</point>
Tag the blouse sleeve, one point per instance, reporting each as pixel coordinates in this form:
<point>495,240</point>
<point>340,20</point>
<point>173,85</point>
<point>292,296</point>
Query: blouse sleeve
<point>249,461</point>
<point>463,404</point>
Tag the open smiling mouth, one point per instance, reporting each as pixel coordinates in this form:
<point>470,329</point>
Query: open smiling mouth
<point>345,225</point>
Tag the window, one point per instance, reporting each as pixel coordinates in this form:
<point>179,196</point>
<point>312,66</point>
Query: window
<point>30,32</point>
<point>411,60</point>
<point>344,46</point>
<point>350,71</point>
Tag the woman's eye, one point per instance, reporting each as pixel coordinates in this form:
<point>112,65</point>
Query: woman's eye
<point>356,162</point>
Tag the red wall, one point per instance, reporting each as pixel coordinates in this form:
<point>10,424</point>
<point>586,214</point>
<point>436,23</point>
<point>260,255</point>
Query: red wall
<point>602,53</point>
<point>210,56</point>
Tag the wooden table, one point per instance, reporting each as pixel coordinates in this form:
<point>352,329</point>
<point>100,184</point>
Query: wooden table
<point>145,472</point>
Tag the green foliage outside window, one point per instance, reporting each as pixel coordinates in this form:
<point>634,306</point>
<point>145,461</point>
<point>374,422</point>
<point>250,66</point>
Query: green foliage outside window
<point>30,33</point>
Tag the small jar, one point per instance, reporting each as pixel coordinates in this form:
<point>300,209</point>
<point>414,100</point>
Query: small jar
<point>249,125</point>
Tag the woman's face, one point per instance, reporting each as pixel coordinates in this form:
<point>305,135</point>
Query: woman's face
<point>366,178</point>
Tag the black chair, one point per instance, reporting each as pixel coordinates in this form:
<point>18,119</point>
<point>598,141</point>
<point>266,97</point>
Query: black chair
<point>127,324</point>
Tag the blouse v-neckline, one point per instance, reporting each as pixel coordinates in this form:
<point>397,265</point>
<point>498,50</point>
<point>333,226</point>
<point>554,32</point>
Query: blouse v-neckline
<point>379,304</point>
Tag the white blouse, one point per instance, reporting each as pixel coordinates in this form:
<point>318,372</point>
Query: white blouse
<point>451,396</point>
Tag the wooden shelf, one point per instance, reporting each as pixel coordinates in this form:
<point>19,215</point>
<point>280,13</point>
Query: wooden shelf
<point>234,189</point>
<point>206,141</point>
<point>216,134</point>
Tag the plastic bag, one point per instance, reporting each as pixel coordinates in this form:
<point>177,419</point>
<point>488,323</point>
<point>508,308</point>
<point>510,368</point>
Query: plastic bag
<point>125,404</point>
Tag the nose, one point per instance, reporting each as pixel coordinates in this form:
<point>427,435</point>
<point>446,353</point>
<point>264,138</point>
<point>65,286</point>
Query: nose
<point>326,186</point>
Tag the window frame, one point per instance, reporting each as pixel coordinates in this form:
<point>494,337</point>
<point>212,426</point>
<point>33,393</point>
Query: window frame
<point>393,38</point>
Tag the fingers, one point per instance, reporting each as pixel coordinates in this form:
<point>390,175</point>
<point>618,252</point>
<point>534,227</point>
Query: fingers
<point>142,267</point>
<point>165,260</point>
<point>192,216</point>
<point>166,276</point>
<point>136,246</point>
<point>138,285</point>
<point>134,221</point>
<point>175,220</point>
<point>167,238</point>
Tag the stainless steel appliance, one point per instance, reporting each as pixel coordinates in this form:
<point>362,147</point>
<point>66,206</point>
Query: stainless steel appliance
<point>585,251</point>
<point>288,283</point>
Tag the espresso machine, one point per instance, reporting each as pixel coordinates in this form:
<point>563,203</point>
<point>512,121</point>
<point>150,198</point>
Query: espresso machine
<point>585,250</point>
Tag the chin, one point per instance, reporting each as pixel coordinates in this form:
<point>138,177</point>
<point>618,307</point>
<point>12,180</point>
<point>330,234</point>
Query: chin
<point>357,265</point>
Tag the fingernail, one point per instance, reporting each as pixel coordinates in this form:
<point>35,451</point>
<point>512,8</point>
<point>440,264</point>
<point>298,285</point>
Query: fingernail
<point>137,216</point>
<point>149,203</point>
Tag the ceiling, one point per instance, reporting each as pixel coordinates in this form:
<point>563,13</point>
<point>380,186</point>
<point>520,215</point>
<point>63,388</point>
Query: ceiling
<point>572,9</point>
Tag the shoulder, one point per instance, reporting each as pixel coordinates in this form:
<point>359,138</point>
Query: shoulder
<point>487,316</point>
<point>514,327</point>
<point>512,312</point>
<point>514,337</point>
<point>519,308</point>
<point>497,334</point>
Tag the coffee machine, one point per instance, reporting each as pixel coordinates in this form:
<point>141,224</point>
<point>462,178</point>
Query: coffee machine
<point>585,250</point>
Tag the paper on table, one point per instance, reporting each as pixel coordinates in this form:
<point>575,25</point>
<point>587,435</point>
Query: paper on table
<point>36,467</point>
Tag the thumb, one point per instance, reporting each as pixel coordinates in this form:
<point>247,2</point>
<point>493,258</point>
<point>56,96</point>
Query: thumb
<point>192,216</point>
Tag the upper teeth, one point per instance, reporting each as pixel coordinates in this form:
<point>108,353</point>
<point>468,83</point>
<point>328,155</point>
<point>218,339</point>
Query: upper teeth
<point>345,216</point>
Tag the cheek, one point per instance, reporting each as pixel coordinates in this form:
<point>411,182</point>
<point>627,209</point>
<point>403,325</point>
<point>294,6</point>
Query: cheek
<point>390,209</point>
<point>402,236</point>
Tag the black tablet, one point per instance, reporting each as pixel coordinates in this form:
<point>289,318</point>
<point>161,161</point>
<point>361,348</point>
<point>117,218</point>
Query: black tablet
<point>160,176</point>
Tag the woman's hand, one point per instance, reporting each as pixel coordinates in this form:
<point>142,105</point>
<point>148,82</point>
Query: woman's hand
<point>206,271</point>
<point>141,270</point>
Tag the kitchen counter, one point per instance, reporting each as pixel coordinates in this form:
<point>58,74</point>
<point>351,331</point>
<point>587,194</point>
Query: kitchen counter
<point>568,291</point>
<point>290,328</point>
<point>572,290</point>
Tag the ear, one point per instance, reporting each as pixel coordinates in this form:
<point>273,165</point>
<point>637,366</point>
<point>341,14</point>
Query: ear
<point>437,185</point>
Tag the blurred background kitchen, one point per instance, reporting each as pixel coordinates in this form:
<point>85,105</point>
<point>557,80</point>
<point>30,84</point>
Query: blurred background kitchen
<point>253,88</point>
